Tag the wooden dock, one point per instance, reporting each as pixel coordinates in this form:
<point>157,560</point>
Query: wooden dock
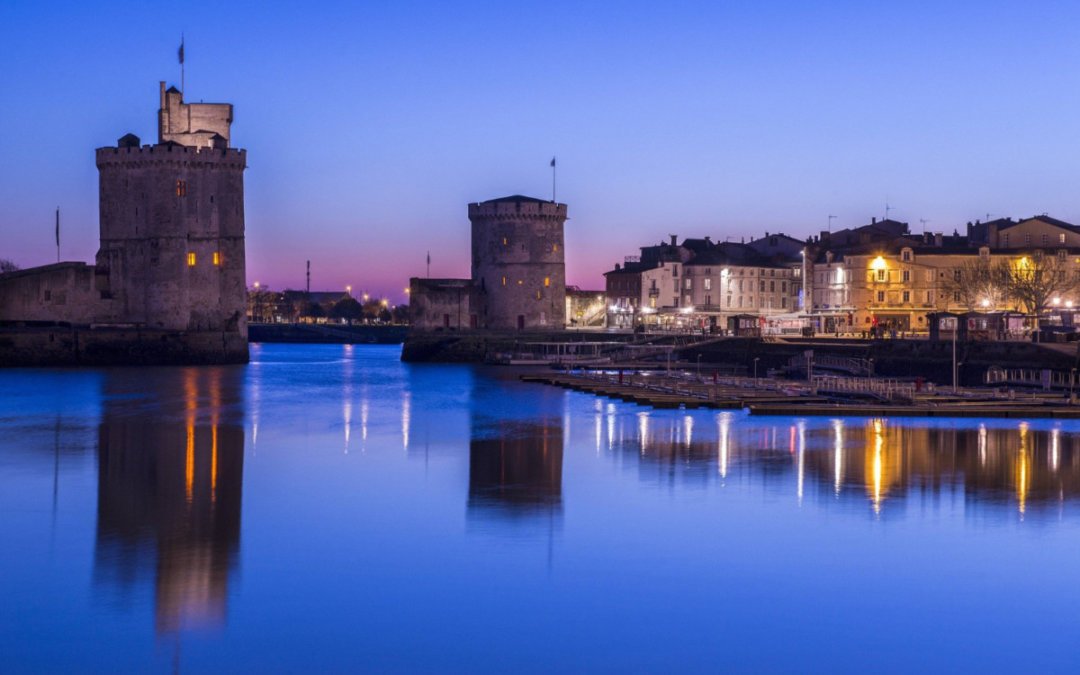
<point>766,396</point>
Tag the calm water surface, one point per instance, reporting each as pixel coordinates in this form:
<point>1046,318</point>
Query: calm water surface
<point>327,508</point>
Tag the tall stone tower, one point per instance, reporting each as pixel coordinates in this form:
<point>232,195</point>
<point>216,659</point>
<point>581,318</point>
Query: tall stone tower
<point>517,262</point>
<point>172,222</point>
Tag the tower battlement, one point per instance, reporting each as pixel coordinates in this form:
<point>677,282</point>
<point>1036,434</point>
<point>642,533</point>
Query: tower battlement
<point>517,206</point>
<point>170,153</point>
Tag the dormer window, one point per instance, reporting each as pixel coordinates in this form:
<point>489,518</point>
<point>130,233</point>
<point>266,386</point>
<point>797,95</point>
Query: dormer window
<point>905,255</point>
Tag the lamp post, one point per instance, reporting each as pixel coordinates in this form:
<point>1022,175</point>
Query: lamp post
<point>956,329</point>
<point>756,359</point>
<point>699,367</point>
<point>1072,383</point>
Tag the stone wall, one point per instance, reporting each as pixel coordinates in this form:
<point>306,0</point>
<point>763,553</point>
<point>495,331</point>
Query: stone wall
<point>443,304</point>
<point>172,235</point>
<point>69,292</point>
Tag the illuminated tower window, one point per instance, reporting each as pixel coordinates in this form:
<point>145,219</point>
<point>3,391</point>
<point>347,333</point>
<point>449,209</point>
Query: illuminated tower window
<point>217,258</point>
<point>554,248</point>
<point>181,188</point>
<point>547,281</point>
<point>504,281</point>
<point>505,241</point>
<point>191,259</point>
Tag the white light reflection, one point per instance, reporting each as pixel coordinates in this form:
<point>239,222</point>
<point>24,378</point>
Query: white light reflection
<point>838,455</point>
<point>406,418</point>
<point>801,426</point>
<point>643,430</point>
<point>723,420</point>
<point>348,423</point>
<point>1055,448</point>
<point>610,425</point>
<point>688,430</point>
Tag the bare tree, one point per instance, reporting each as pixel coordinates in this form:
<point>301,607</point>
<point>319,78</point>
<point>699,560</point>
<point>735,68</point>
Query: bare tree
<point>976,284</point>
<point>1036,280</point>
<point>7,266</point>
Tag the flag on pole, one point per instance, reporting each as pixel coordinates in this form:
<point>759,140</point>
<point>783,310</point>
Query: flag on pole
<point>553,162</point>
<point>180,53</point>
<point>429,257</point>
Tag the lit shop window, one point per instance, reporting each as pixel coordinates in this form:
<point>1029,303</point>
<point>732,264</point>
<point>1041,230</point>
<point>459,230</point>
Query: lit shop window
<point>191,259</point>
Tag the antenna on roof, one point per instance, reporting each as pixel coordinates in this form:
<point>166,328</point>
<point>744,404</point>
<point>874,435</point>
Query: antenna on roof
<point>887,208</point>
<point>831,218</point>
<point>924,221</point>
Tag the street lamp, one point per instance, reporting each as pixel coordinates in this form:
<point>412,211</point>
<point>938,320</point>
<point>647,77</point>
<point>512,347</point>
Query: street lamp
<point>348,291</point>
<point>756,359</point>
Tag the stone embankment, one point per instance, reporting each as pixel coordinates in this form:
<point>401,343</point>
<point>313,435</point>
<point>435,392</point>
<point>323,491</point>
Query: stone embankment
<point>326,333</point>
<point>82,346</point>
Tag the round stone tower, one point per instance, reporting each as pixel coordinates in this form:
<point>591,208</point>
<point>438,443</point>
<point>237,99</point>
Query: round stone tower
<point>172,224</point>
<point>517,262</point>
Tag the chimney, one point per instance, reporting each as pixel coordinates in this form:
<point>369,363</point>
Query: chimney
<point>708,240</point>
<point>938,239</point>
<point>873,220</point>
<point>673,238</point>
<point>618,267</point>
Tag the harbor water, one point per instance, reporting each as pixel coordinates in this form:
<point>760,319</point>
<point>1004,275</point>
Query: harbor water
<point>327,508</point>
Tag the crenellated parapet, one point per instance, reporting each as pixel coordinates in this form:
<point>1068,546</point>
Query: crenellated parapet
<point>171,155</point>
<point>517,207</point>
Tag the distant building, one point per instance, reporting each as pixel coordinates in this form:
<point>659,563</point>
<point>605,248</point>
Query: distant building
<point>518,272</point>
<point>700,284</point>
<point>171,256</point>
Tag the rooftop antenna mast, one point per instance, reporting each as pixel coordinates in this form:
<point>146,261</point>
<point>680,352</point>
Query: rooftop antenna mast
<point>924,221</point>
<point>887,208</point>
<point>831,218</point>
<point>308,286</point>
<point>57,234</point>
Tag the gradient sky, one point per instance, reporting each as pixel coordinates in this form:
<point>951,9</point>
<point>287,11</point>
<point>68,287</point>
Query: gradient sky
<point>370,126</point>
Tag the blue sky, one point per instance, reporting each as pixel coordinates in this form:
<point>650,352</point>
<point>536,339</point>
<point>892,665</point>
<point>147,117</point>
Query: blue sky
<point>370,126</point>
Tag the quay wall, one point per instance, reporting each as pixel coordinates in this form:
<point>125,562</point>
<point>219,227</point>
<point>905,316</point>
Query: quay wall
<point>931,361</point>
<point>81,346</point>
<point>326,333</point>
<point>476,346</point>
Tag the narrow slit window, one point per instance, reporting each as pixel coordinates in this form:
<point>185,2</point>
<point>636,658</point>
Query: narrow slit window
<point>181,188</point>
<point>191,259</point>
<point>217,258</point>
<point>547,281</point>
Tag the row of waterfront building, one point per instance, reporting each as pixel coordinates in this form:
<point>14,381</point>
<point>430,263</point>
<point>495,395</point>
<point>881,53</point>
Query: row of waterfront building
<point>869,278</point>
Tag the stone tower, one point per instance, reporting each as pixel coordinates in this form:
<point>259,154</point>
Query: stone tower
<point>172,222</point>
<point>517,262</point>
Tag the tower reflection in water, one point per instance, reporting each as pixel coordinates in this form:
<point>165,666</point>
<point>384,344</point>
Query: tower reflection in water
<point>171,457</point>
<point>515,470</point>
<point>1004,467</point>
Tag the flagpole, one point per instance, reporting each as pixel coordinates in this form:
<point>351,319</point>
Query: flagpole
<point>57,234</point>
<point>553,169</point>
<point>429,264</point>
<point>182,83</point>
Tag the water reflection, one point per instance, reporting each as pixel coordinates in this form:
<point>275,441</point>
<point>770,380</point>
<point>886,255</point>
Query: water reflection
<point>874,461</point>
<point>516,470</point>
<point>171,455</point>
